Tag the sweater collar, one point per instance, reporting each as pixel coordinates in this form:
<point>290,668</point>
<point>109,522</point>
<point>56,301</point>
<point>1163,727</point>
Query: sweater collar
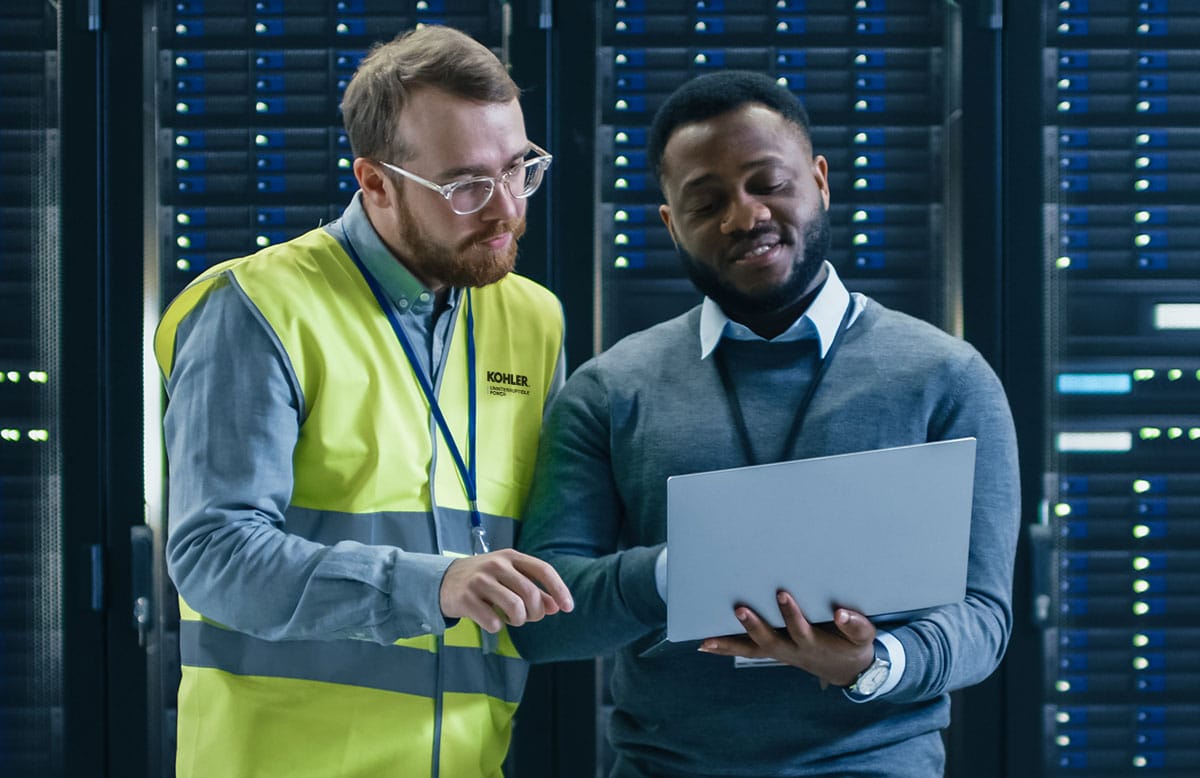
<point>820,321</point>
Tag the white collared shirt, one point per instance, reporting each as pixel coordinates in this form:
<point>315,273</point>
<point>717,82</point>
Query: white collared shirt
<point>821,320</point>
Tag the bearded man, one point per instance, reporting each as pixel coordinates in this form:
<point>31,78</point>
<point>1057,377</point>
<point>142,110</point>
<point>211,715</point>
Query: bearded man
<point>352,422</point>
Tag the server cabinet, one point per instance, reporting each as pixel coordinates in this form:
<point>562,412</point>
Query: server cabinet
<point>32,610</point>
<point>246,149</point>
<point>1118,557</point>
<point>872,76</point>
<point>70,477</point>
<point>882,82</point>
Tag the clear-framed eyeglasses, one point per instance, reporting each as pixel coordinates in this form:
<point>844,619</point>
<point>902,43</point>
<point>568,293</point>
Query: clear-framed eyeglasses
<point>472,194</point>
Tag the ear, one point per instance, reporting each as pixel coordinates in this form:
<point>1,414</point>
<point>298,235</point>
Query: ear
<point>821,176</point>
<point>664,213</point>
<point>375,186</point>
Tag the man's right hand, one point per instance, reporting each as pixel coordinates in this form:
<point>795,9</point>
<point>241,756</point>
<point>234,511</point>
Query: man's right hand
<point>502,587</point>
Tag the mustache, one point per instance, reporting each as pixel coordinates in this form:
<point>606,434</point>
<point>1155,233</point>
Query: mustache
<point>515,226</point>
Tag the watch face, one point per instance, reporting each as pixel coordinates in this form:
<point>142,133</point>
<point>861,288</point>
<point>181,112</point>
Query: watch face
<point>872,678</point>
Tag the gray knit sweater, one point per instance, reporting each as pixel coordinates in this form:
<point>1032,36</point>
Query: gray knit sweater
<point>649,408</point>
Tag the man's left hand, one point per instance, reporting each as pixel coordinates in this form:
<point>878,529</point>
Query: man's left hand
<point>836,653</point>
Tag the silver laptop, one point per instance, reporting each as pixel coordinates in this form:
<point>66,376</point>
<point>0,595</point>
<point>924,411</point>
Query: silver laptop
<point>884,532</point>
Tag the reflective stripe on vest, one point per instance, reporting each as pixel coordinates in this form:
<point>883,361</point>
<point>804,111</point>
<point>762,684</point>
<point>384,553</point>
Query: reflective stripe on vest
<point>394,668</point>
<point>416,531</point>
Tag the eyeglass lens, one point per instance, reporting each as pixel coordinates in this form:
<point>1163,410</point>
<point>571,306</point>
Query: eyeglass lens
<point>474,195</point>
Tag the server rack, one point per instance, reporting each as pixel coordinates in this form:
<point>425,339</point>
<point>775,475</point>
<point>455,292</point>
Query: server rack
<point>247,150</point>
<point>70,481</point>
<point>881,81</point>
<point>1118,553</point>
<point>871,74</point>
<point>31,551</point>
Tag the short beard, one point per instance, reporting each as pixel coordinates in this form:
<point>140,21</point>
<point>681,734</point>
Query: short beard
<point>470,264</point>
<point>805,267</point>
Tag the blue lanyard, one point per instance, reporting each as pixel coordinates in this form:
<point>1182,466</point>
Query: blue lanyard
<point>466,467</point>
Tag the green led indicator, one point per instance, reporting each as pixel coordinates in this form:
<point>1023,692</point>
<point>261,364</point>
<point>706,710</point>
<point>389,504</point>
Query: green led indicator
<point>1141,563</point>
<point>1062,509</point>
<point>1143,374</point>
<point>1141,486</point>
<point>621,262</point>
<point>1140,640</point>
<point>1140,608</point>
<point>1141,586</point>
<point>1140,531</point>
<point>1150,433</point>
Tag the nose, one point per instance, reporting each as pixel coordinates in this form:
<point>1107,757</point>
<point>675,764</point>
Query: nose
<point>503,205</point>
<point>743,213</point>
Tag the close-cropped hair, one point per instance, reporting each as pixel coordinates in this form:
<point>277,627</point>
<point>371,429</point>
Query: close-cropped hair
<point>713,94</point>
<point>430,57</point>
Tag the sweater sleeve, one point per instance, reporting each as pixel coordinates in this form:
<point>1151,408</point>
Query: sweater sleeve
<point>962,644</point>
<point>574,520</point>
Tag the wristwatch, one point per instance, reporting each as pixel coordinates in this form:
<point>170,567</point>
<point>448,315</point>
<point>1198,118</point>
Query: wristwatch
<point>874,676</point>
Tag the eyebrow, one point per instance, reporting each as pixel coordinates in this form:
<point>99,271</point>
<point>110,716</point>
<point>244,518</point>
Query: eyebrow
<point>700,181</point>
<point>479,170</point>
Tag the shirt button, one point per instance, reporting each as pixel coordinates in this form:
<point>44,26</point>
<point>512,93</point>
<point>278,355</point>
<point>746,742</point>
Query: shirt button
<point>424,297</point>
<point>426,627</point>
<point>403,303</point>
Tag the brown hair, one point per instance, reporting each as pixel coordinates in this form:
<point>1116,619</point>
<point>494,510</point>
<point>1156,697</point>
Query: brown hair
<point>432,56</point>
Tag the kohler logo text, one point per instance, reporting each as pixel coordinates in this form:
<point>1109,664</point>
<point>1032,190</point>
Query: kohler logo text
<point>511,379</point>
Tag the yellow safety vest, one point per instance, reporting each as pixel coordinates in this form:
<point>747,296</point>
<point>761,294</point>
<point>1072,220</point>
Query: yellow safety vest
<point>362,466</point>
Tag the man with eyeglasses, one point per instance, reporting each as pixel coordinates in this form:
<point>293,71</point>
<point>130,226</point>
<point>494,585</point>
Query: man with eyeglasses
<point>351,431</point>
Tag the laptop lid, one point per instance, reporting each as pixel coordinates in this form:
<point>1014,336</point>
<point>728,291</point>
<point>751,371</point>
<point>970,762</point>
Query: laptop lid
<point>884,532</point>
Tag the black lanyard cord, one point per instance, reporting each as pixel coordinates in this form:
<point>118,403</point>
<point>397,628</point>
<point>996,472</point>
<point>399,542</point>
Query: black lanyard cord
<point>793,434</point>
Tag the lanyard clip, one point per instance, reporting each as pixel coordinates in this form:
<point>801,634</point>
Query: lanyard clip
<point>479,541</point>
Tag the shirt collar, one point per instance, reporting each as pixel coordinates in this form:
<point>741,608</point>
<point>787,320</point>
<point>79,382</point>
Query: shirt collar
<point>404,289</point>
<point>820,321</point>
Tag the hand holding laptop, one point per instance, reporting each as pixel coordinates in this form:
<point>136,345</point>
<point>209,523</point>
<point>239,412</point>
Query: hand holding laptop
<point>835,652</point>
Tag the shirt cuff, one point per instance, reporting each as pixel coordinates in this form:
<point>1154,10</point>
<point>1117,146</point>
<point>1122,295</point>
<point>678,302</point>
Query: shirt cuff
<point>895,651</point>
<point>660,574</point>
